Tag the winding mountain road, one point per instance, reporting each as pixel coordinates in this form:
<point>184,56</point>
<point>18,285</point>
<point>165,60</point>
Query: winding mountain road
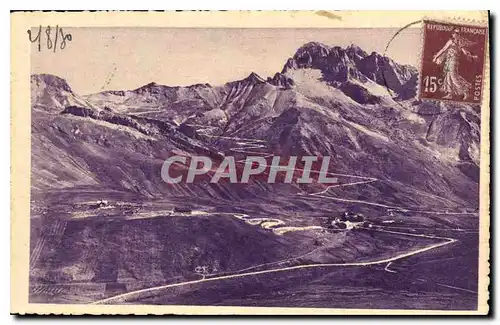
<point>134,295</point>
<point>246,144</point>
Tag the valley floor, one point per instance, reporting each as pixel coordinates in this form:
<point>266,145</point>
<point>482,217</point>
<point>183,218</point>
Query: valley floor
<point>146,252</point>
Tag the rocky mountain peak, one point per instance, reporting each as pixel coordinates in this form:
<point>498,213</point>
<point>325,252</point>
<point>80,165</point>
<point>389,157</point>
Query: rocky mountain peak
<point>341,65</point>
<point>281,81</point>
<point>312,48</point>
<point>334,62</point>
<point>52,94</point>
<point>50,81</point>
<point>148,86</point>
<point>355,53</point>
<point>254,78</point>
<point>155,89</point>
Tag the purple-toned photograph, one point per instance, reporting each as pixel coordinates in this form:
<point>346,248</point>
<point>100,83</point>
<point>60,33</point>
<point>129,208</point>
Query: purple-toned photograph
<point>254,167</point>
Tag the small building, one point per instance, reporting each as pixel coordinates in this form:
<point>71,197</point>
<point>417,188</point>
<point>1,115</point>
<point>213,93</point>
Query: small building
<point>182,210</point>
<point>342,225</point>
<point>100,204</point>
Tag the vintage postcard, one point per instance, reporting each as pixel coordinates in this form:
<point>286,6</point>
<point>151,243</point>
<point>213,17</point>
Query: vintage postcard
<point>270,163</point>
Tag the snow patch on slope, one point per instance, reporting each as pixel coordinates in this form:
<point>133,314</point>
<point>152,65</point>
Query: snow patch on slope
<point>310,83</point>
<point>136,134</point>
<point>367,131</point>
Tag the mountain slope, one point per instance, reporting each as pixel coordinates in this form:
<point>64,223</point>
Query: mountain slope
<point>52,94</point>
<point>356,107</point>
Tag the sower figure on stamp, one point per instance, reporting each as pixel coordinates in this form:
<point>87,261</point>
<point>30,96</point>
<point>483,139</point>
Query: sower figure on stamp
<point>453,83</point>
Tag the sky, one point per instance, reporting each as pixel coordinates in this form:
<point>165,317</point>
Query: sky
<point>98,59</point>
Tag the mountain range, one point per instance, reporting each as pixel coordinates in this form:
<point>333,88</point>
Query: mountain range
<point>358,108</point>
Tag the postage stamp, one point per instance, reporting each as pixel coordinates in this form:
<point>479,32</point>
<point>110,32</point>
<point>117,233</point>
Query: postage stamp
<point>453,62</point>
<point>250,163</point>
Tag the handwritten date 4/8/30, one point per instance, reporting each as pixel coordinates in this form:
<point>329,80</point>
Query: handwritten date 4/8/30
<point>54,38</point>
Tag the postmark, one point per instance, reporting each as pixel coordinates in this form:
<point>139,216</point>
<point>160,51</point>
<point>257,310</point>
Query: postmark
<point>452,66</point>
